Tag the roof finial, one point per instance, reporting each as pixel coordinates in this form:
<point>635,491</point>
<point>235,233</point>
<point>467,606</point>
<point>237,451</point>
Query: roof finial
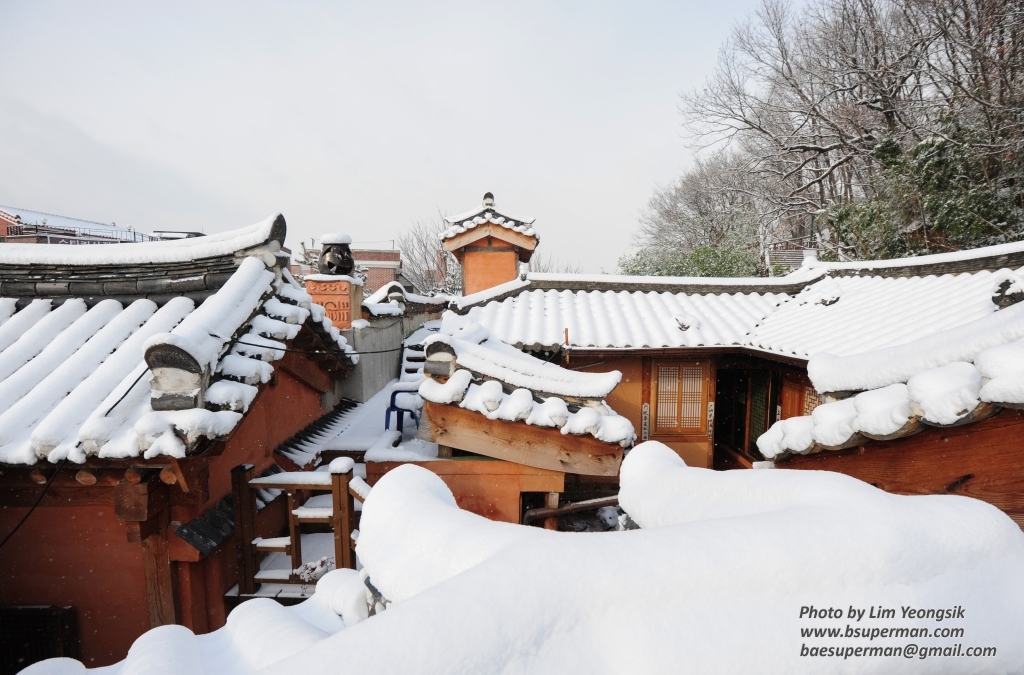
<point>488,199</point>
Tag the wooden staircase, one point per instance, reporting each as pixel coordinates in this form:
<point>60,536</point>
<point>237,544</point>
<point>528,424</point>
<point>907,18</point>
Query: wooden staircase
<point>321,497</point>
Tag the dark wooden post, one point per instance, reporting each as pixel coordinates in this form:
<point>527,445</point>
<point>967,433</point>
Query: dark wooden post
<point>245,527</point>
<point>344,511</point>
<point>294,530</point>
<point>551,502</point>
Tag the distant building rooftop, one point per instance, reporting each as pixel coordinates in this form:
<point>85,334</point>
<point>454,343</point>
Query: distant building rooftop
<point>38,224</point>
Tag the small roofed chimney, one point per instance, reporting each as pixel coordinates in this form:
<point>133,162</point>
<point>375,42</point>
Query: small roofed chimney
<point>340,294</point>
<point>489,245</point>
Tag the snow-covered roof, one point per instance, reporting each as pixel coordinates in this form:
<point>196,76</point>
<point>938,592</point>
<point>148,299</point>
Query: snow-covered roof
<point>484,214</point>
<point>951,377</point>
<point>833,308</point>
<point>529,600</point>
<point>382,293</point>
<point>269,233</point>
<point>75,376</point>
<point>502,383</point>
<point>850,314</point>
<point>30,217</point>
<point>537,318</point>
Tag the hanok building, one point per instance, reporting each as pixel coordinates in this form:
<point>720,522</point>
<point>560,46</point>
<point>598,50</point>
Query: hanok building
<point>708,366</point>
<point>133,379</point>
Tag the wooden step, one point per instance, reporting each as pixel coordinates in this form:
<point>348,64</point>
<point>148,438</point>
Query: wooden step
<point>274,544</point>
<point>274,576</point>
<point>308,514</point>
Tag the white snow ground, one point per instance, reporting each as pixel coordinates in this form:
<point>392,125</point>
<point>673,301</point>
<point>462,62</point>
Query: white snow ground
<point>713,583</point>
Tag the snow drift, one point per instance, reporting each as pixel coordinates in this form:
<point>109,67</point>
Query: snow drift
<point>713,583</point>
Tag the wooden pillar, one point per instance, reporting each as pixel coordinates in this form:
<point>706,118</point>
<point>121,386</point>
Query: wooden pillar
<point>344,514</point>
<point>192,591</point>
<point>245,526</point>
<point>213,576</point>
<point>551,502</point>
<point>159,583</point>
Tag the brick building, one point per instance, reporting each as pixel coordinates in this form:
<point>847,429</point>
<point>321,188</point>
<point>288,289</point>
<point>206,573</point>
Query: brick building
<point>382,266</point>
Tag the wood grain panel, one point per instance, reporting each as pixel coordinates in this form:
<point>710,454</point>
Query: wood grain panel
<point>518,442</point>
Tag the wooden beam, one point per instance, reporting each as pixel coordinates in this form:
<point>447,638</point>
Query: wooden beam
<point>139,502</point>
<point>496,231</point>
<point>87,476</point>
<point>518,442</point>
<point>159,585</point>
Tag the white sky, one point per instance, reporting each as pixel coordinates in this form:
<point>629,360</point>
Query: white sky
<point>352,117</point>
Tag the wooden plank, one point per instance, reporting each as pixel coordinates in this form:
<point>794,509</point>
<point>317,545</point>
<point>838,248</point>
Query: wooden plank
<point>518,442</point>
<point>982,460</point>
<point>245,526</point>
<point>159,585</point>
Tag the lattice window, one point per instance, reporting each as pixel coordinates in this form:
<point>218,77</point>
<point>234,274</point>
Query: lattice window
<point>811,400</point>
<point>758,405</point>
<point>668,397</point>
<point>679,398</point>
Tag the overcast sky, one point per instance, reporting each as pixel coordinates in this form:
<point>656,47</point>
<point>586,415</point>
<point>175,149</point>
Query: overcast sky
<point>352,117</point>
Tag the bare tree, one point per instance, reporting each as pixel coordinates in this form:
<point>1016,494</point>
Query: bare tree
<point>914,108</point>
<point>540,262</point>
<point>425,263</point>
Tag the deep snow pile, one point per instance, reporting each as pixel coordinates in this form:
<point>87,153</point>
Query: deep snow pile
<point>713,583</point>
<point>258,633</point>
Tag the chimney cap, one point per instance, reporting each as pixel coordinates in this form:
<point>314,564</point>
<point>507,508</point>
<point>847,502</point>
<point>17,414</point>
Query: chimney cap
<point>488,199</point>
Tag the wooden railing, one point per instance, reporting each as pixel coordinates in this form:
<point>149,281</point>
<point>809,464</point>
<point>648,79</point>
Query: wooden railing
<point>343,487</point>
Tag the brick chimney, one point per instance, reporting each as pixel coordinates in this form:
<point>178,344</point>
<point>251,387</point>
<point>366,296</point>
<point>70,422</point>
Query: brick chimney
<point>489,244</point>
<point>340,293</point>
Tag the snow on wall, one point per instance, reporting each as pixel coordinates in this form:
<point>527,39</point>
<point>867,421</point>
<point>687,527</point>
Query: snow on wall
<point>178,250</point>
